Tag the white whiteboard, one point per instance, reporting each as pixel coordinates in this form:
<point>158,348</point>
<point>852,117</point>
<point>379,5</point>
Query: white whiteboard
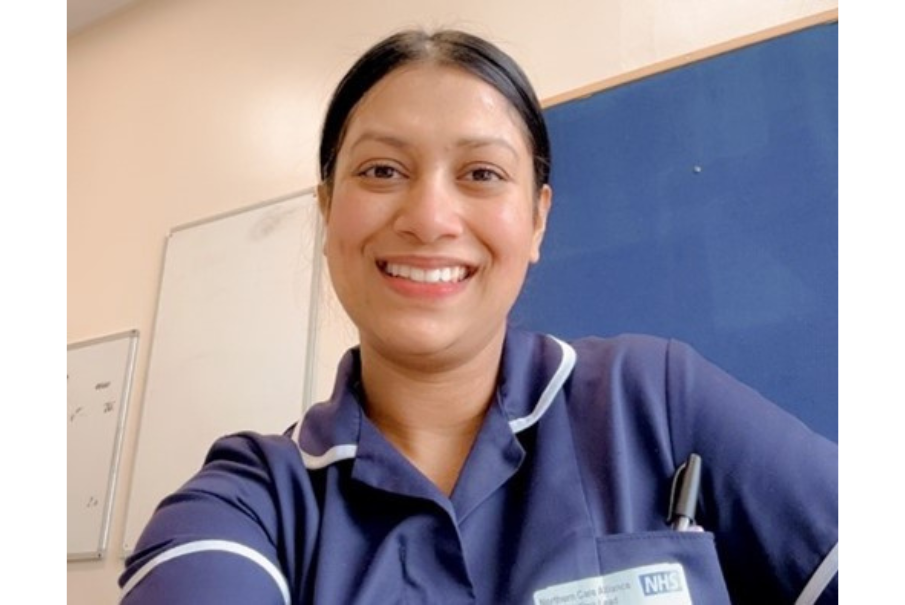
<point>98,382</point>
<point>231,348</point>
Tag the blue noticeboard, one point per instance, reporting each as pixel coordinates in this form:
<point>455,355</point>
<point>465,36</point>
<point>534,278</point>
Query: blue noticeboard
<point>701,204</point>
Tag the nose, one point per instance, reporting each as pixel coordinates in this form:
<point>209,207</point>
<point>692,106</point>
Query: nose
<point>429,211</point>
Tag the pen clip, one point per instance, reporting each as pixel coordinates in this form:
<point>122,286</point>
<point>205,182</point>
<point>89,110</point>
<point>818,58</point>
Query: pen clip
<point>683,494</point>
<point>673,490</point>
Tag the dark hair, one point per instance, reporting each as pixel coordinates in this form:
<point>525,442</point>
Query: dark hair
<point>445,47</point>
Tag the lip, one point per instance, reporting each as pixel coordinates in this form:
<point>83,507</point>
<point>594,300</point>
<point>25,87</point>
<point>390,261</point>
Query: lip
<point>445,276</point>
<point>426,263</point>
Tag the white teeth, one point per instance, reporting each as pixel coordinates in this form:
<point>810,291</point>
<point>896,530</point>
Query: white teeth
<point>426,276</point>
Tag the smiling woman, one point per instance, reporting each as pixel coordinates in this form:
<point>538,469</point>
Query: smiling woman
<point>453,191</point>
<point>454,195</point>
<point>460,460</point>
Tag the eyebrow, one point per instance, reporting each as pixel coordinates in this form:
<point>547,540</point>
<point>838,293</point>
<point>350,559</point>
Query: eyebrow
<point>379,137</point>
<point>477,142</point>
<point>466,142</point>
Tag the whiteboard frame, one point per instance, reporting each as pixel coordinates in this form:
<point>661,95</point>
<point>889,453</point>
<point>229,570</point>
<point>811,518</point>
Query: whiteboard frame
<point>317,271</point>
<point>316,282</point>
<point>118,439</point>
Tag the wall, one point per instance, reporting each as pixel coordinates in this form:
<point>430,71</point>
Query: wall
<point>182,109</point>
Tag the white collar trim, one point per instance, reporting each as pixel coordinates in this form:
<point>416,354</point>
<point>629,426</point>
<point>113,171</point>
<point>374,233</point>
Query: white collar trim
<point>349,450</point>
<point>566,364</point>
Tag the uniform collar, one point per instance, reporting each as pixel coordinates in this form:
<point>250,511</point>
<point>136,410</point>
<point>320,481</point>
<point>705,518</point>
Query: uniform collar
<point>329,431</point>
<point>534,368</point>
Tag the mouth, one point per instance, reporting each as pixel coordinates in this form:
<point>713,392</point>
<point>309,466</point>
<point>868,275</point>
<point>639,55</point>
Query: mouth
<point>434,275</point>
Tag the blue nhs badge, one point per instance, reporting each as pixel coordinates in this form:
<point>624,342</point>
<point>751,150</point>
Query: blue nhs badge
<point>661,582</point>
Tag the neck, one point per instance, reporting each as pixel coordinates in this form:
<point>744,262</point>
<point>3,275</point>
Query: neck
<point>431,415</point>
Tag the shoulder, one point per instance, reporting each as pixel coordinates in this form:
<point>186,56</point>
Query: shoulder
<point>634,351</point>
<point>629,350</point>
<point>589,370</point>
<point>237,480</point>
<point>626,361</point>
<point>253,447</point>
<point>671,367</point>
<point>251,456</point>
<point>233,516</point>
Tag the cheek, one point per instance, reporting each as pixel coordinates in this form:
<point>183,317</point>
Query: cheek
<point>509,228</point>
<point>343,261</point>
<point>339,242</point>
<point>341,224</point>
<point>350,226</point>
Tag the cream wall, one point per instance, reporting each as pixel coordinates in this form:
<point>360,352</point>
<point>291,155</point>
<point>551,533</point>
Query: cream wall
<point>183,109</point>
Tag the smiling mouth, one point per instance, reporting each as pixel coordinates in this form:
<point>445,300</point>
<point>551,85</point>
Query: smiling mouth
<point>435,275</point>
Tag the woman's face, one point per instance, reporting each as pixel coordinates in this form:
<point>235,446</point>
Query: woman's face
<point>434,218</point>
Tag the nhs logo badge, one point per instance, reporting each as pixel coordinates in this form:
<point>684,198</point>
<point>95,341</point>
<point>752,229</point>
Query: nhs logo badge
<point>661,582</point>
<point>657,584</point>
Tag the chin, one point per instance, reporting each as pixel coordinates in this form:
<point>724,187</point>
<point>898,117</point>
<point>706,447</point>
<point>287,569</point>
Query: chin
<point>439,344</point>
<point>420,344</point>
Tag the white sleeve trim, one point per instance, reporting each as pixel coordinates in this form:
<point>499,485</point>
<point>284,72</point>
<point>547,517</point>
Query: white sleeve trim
<point>822,577</point>
<point>209,546</point>
<point>559,378</point>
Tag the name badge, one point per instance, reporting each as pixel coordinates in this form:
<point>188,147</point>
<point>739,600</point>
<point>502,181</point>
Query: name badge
<point>658,584</point>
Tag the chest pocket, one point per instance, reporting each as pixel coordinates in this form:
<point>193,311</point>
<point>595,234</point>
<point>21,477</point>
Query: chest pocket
<point>667,566</point>
<point>647,568</point>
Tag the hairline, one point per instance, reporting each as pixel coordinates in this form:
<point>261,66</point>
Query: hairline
<point>433,58</point>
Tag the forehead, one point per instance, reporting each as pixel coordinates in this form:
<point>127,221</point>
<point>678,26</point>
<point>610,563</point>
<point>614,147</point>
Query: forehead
<point>433,99</point>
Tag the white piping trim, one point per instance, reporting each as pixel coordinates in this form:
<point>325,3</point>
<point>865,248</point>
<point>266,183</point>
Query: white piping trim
<point>559,378</point>
<point>209,546</point>
<point>334,454</point>
<point>822,577</point>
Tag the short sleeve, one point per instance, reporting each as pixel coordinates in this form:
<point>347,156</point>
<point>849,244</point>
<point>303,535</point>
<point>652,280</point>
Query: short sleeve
<point>769,484</point>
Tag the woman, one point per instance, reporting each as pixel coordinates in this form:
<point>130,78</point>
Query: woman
<point>460,460</point>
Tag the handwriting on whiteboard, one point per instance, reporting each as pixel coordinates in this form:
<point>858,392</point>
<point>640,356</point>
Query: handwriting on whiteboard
<point>79,411</point>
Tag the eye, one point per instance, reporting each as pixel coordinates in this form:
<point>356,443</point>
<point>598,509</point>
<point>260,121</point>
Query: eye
<point>483,174</point>
<point>381,171</point>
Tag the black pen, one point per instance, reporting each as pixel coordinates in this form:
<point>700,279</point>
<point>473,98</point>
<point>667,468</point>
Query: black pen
<point>683,504</point>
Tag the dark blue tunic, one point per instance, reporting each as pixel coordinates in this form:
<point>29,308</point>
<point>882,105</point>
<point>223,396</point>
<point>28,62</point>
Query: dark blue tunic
<point>563,499</point>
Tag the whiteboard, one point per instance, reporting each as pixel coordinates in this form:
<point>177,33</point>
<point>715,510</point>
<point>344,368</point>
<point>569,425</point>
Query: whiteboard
<point>98,382</point>
<point>231,347</point>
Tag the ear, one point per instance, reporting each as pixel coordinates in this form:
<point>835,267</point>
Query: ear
<point>323,203</point>
<point>544,202</point>
<point>323,200</point>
